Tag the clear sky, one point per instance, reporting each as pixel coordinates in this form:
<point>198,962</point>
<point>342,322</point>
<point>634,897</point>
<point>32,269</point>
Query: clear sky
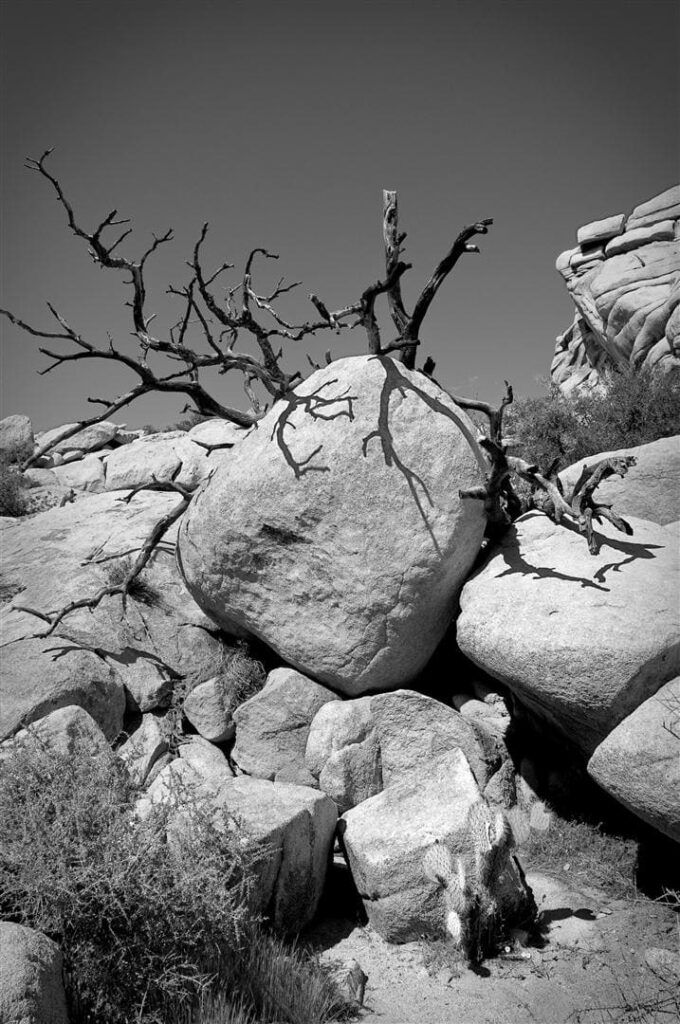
<point>281,122</point>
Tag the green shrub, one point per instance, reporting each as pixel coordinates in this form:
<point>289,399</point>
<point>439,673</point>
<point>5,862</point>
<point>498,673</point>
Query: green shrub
<point>13,498</point>
<point>633,408</point>
<point>144,923</point>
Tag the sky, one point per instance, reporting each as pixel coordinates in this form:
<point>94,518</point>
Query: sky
<point>281,122</point>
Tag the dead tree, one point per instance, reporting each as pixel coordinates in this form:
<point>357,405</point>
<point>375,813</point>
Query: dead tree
<point>209,329</point>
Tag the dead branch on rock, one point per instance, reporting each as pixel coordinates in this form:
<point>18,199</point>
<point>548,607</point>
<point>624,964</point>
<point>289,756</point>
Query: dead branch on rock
<point>125,586</point>
<point>218,325</point>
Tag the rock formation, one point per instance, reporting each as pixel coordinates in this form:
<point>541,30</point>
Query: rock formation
<point>624,278</point>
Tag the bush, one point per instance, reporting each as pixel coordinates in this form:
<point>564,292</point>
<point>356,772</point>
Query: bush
<point>144,923</point>
<point>243,674</point>
<point>13,499</point>
<point>633,408</point>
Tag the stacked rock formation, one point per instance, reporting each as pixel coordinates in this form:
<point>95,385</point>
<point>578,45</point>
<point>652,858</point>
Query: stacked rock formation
<point>624,278</point>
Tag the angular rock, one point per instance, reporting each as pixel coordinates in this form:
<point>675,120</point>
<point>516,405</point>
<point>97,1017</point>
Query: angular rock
<point>63,555</point>
<point>292,825</point>
<point>386,838</point>
<point>209,709</point>
<point>586,649</point>
<point>579,358</point>
<point>143,749</point>
<point>601,230</point>
<point>651,488</point>
<point>357,748</point>
<point>639,761</point>
<point>89,439</point>
<point>664,231</point>
<point>31,985</point>
<point>40,676</point>
<point>83,475</point>
<point>203,755</point>
<point>65,729</point>
<point>16,438</point>
<point>148,683</point>
<point>665,206</point>
<point>335,532</point>
<point>272,727</point>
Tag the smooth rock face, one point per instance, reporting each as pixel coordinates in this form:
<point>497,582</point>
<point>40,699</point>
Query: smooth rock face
<point>203,755</point>
<point>357,748</point>
<point>272,727</point>
<point>628,300</point>
<point>386,838</point>
<point>65,729</point>
<point>293,824</point>
<point>55,558</point>
<point>596,636</point>
<point>16,438</point>
<point>649,490</point>
<point>335,532</point>
<point>144,748</point>
<point>160,456</point>
<point>639,761</point>
<point>31,986</point>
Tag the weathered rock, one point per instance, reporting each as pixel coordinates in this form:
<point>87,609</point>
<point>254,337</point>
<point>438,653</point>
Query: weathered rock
<point>64,730</point>
<point>31,985</point>
<point>63,555</point>
<point>203,755</point>
<point>89,439</point>
<point>585,651</point>
<point>143,749</point>
<point>40,676</point>
<point>639,761</point>
<point>217,431</point>
<point>628,301</point>
<point>651,488</point>
<point>335,532</point>
<point>601,230</point>
<point>83,475</point>
<point>159,456</point>
<point>292,825</point>
<point>209,709</point>
<point>662,232</point>
<point>148,683</point>
<point>665,206</point>
<point>358,747</point>
<point>16,438</point>
<point>272,727</point>
<point>386,838</point>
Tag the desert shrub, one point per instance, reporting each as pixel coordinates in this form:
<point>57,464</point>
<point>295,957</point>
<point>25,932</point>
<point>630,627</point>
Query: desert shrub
<point>587,853</point>
<point>633,408</point>
<point>117,571</point>
<point>144,923</point>
<point>244,675</point>
<point>13,498</point>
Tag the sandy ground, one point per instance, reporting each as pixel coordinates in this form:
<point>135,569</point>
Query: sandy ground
<point>593,966</point>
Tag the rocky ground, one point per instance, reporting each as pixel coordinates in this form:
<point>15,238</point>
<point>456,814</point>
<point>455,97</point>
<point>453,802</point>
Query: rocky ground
<point>599,958</point>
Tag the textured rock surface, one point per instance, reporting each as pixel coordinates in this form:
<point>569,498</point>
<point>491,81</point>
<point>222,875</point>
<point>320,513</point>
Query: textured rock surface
<point>90,439</point>
<point>31,986</point>
<point>597,634</point>
<point>386,838</point>
<point>159,456</point>
<point>335,532</point>
<point>208,708</point>
<point>639,762</point>
<point>16,437</point>
<point>272,727</point>
<point>627,298</point>
<point>54,558</point>
<point>144,748</point>
<point>650,489</point>
<point>294,825</point>
<point>65,728</point>
<point>356,748</point>
<point>203,755</point>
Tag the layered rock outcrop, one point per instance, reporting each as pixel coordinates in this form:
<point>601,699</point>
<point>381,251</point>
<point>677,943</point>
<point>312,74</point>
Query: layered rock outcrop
<point>335,532</point>
<point>624,278</point>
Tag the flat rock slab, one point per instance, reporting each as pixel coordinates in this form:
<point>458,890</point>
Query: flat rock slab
<point>639,762</point>
<point>335,532</point>
<point>582,639</point>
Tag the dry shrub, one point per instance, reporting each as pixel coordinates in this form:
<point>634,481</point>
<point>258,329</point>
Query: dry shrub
<point>13,497</point>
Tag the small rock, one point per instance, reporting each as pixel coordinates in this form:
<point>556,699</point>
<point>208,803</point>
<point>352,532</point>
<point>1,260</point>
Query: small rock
<point>143,749</point>
<point>208,708</point>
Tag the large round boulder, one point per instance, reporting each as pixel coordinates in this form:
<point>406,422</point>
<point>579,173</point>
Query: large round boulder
<point>335,531</point>
<point>582,639</point>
